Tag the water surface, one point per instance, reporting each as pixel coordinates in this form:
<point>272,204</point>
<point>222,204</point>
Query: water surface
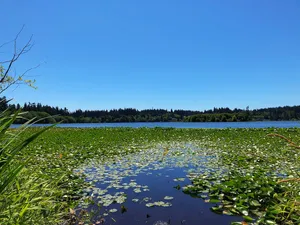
<point>146,187</point>
<point>259,124</point>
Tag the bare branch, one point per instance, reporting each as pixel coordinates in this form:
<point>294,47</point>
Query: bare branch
<point>7,70</point>
<point>288,180</point>
<point>17,81</point>
<point>9,78</point>
<point>26,48</point>
<point>15,43</point>
<point>16,38</point>
<point>292,144</point>
<point>6,43</point>
<point>32,68</point>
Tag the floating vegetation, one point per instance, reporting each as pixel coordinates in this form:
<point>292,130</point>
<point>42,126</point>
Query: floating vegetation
<point>110,174</point>
<point>113,210</point>
<point>135,199</point>
<point>179,179</point>
<point>108,171</point>
<point>159,203</point>
<point>168,198</point>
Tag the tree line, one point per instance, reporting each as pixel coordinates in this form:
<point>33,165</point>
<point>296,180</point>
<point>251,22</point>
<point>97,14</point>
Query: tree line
<point>50,114</point>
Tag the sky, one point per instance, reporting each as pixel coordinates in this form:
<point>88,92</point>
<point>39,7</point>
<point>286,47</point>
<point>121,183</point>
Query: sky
<point>169,54</point>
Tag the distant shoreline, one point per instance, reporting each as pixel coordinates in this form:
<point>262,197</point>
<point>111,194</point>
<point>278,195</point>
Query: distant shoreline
<point>49,114</point>
<point>250,121</point>
<point>200,125</point>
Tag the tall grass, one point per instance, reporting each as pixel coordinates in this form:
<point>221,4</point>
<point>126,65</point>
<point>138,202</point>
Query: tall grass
<point>25,197</point>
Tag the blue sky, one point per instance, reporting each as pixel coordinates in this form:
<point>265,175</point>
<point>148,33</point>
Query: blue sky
<point>161,54</point>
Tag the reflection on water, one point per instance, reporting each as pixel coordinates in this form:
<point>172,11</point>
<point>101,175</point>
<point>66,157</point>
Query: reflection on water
<point>145,188</point>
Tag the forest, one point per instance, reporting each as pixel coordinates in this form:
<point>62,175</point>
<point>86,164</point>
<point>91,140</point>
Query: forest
<point>50,114</point>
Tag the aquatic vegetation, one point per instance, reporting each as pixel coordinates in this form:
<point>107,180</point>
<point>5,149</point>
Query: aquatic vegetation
<point>232,171</point>
<point>161,223</point>
<point>168,197</point>
<point>108,175</point>
<point>159,203</point>
<point>113,210</point>
<point>252,184</point>
<point>179,179</point>
<point>18,190</point>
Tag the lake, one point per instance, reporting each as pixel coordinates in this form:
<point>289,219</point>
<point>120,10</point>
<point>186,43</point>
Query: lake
<point>258,124</point>
<point>179,176</point>
<point>146,188</point>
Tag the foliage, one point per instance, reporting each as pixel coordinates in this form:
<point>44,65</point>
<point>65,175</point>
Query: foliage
<point>20,195</point>
<point>250,162</point>
<point>8,78</point>
<point>25,197</point>
<point>153,115</point>
<point>255,180</point>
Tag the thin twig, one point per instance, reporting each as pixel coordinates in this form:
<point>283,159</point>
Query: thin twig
<point>26,48</point>
<point>16,80</point>
<point>292,144</point>
<point>288,180</point>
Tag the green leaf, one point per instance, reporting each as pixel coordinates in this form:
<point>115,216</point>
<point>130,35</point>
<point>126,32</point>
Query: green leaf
<point>248,218</point>
<point>255,203</point>
<point>270,222</point>
<point>213,200</point>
